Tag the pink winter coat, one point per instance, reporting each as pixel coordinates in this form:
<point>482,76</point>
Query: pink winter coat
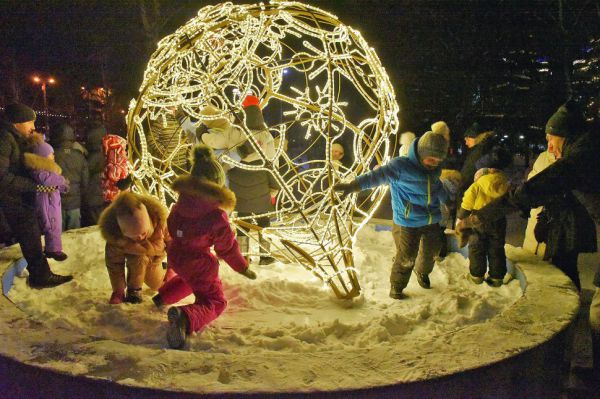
<point>198,221</point>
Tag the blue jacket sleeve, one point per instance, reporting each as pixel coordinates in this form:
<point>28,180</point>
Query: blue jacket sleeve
<point>381,175</point>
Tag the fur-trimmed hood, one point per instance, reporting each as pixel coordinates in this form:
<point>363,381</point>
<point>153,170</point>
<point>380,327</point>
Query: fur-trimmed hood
<point>109,227</point>
<point>206,191</point>
<point>36,162</point>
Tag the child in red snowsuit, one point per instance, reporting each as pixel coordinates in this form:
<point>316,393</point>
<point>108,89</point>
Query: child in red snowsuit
<point>197,222</point>
<point>115,152</point>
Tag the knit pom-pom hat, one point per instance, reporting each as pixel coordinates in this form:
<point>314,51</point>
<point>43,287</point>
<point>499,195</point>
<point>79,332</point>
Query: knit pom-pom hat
<point>206,166</point>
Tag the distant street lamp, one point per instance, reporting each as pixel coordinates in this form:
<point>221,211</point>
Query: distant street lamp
<point>43,82</point>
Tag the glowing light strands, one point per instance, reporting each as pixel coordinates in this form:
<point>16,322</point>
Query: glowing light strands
<point>325,84</point>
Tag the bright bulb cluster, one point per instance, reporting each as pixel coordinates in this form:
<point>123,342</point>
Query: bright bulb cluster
<point>319,83</point>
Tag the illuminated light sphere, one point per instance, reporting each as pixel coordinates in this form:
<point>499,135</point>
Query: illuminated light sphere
<point>319,83</point>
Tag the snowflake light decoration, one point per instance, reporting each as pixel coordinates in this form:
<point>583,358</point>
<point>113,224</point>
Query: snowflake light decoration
<point>319,83</point>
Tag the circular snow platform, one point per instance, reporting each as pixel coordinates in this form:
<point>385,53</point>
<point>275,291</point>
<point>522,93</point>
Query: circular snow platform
<point>515,351</point>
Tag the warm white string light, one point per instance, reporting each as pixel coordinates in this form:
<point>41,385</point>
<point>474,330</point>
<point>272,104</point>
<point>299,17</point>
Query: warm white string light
<point>232,49</point>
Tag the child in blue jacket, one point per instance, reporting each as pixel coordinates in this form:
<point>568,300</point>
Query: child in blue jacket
<point>417,194</point>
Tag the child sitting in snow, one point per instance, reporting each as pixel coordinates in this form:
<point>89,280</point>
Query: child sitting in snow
<point>48,204</point>
<point>198,221</point>
<point>486,244</point>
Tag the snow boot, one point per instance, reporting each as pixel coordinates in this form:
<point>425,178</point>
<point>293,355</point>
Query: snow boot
<point>493,282</point>
<point>52,280</point>
<point>265,250</point>
<point>423,280</point>
<point>474,279</point>
<point>117,297</point>
<point>396,292</point>
<point>178,327</point>
<point>266,260</point>
<point>59,256</point>
<point>134,295</point>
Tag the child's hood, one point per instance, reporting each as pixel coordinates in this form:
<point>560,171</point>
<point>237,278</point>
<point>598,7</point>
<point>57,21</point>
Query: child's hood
<point>36,162</point>
<point>199,196</point>
<point>494,184</point>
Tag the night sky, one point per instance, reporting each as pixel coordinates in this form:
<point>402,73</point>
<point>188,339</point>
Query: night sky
<point>439,54</point>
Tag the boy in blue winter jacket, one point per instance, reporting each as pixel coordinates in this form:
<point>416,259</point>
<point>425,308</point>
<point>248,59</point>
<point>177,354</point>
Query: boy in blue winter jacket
<point>417,194</point>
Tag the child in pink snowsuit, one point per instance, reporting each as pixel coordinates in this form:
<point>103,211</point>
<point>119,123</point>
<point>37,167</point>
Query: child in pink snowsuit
<point>197,222</point>
<point>48,204</point>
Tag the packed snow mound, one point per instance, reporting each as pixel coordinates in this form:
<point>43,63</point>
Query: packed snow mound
<point>286,310</point>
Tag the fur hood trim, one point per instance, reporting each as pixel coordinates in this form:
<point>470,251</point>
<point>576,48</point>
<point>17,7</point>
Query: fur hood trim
<point>206,190</point>
<point>483,136</point>
<point>36,162</point>
<point>109,227</point>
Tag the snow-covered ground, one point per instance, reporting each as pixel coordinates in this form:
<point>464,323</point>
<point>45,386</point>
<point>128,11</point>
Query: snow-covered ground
<point>286,314</point>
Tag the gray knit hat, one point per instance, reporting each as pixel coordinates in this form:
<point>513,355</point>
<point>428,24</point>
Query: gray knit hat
<point>432,145</point>
<point>206,166</point>
<point>18,113</point>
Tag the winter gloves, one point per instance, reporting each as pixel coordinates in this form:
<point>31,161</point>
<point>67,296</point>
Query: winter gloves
<point>249,274</point>
<point>347,188</point>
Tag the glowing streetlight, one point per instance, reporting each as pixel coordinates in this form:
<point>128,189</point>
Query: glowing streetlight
<point>43,82</point>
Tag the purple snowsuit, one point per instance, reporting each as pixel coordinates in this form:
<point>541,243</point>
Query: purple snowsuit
<point>48,205</point>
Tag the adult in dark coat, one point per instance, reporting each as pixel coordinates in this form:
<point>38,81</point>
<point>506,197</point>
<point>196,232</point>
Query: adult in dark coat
<point>93,199</point>
<point>574,177</point>
<point>75,169</point>
<point>253,189</point>
<point>17,194</point>
<point>480,141</point>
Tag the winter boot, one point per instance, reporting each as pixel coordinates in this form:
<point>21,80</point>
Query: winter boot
<point>396,292</point>
<point>134,295</point>
<point>178,327</point>
<point>266,260</point>
<point>265,250</point>
<point>158,301</point>
<point>52,280</point>
<point>59,256</point>
<point>423,280</point>
<point>474,279</point>
<point>117,297</point>
<point>493,282</point>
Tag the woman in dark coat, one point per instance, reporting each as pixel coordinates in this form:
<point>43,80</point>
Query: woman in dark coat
<point>574,178</point>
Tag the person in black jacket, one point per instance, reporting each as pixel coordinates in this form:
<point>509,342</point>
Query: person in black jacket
<point>574,181</point>
<point>17,194</point>
<point>480,141</point>
<point>75,169</point>
<point>93,200</point>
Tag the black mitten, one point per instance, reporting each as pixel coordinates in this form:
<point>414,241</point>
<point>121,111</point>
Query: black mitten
<point>347,188</point>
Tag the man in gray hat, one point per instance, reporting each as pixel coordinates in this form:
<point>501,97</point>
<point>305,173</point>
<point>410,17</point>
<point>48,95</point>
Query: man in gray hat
<point>17,194</point>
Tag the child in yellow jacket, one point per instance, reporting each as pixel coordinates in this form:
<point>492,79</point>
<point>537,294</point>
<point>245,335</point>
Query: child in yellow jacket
<point>486,244</point>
